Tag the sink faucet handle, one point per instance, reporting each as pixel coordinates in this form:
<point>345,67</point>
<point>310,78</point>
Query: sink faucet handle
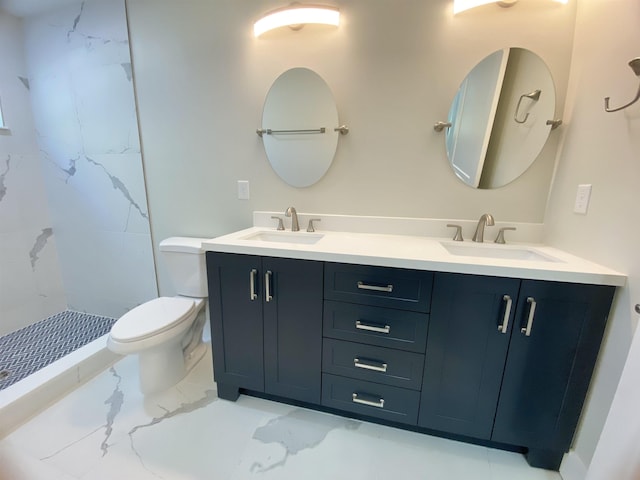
<point>458,236</point>
<point>500,237</point>
<point>280,222</point>
<point>310,227</point>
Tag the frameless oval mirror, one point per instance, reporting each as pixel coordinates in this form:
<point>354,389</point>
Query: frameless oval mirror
<point>499,118</point>
<point>298,123</point>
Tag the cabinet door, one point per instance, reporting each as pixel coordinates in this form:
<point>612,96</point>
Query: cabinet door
<point>236,320</point>
<point>293,328</point>
<point>466,352</point>
<point>549,366</point>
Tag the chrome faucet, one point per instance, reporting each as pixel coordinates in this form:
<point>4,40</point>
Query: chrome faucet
<point>291,212</point>
<point>486,219</point>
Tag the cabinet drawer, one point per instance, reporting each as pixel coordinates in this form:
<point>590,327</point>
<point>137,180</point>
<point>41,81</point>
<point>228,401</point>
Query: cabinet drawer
<point>373,399</point>
<point>375,364</point>
<point>381,286</point>
<point>375,326</point>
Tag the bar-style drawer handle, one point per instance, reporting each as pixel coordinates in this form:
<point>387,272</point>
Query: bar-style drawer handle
<point>378,404</point>
<point>369,365</point>
<point>267,286</point>
<point>372,328</point>
<point>507,311</point>
<point>375,288</point>
<point>532,311</point>
<point>252,284</point>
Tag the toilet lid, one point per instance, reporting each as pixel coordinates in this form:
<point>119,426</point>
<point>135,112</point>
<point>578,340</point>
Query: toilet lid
<point>151,318</point>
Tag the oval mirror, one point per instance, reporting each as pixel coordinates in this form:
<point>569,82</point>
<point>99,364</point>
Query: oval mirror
<point>298,124</point>
<point>499,118</point>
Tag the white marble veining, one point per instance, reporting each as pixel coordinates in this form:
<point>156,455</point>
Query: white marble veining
<point>31,286</point>
<point>81,86</point>
<point>404,250</point>
<point>106,429</point>
<point>30,282</point>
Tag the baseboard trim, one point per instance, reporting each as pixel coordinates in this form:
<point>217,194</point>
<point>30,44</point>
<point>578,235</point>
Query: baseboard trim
<point>572,467</point>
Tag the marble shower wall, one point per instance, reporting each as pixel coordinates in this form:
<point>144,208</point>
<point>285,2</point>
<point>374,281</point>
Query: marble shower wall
<point>81,88</point>
<point>30,280</point>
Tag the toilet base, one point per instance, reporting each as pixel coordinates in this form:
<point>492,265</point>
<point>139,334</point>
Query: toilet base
<point>162,368</point>
<point>195,356</point>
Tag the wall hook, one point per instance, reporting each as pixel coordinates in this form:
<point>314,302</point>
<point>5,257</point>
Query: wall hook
<point>635,66</point>
<point>535,96</point>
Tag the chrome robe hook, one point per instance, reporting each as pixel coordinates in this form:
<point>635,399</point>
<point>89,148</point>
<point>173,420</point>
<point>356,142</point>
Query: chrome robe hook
<point>635,66</point>
<point>535,96</point>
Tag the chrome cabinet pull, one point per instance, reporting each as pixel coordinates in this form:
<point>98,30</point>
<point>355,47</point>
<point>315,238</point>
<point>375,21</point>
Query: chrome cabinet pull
<point>507,311</point>
<point>532,311</point>
<point>252,284</point>
<point>381,367</point>
<point>267,286</point>
<point>378,404</point>
<point>375,288</point>
<point>372,328</point>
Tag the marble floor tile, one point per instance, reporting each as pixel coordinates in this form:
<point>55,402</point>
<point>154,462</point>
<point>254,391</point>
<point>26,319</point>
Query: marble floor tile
<point>106,429</point>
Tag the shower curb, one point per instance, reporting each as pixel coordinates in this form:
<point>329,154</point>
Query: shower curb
<point>25,399</point>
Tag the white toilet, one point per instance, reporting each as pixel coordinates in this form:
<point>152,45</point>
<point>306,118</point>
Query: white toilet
<point>166,332</point>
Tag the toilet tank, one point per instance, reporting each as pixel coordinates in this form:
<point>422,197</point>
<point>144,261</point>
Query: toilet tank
<point>185,259</point>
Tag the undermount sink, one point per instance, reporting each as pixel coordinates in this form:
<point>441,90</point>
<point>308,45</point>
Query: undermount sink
<point>302,238</point>
<point>498,252</point>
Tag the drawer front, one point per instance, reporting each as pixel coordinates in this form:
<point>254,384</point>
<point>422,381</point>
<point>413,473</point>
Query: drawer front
<point>380,286</point>
<point>374,364</point>
<point>376,326</point>
<point>373,399</point>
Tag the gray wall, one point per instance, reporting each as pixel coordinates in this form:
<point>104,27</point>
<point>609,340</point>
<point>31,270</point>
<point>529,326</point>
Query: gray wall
<point>394,67</point>
<point>603,149</point>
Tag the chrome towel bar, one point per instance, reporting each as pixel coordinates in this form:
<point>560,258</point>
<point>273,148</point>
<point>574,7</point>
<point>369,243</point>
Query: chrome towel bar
<point>343,129</point>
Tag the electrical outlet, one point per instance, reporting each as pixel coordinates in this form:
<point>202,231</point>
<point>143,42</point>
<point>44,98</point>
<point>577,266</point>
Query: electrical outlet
<point>243,189</point>
<point>582,199</point>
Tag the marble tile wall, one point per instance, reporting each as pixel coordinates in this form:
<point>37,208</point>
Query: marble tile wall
<point>31,285</point>
<point>79,71</point>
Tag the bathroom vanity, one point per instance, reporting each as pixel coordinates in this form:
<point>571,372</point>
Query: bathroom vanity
<point>490,350</point>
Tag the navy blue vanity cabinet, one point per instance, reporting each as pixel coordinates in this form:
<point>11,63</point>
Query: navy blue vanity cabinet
<point>293,328</point>
<point>510,361</point>
<point>266,325</point>
<point>469,333</point>
<point>236,322</point>
<point>375,329</point>
<point>499,361</point>
<point>554,345</point>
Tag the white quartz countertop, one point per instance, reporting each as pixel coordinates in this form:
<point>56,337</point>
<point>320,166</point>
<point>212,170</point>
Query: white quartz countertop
<point>417,252</point>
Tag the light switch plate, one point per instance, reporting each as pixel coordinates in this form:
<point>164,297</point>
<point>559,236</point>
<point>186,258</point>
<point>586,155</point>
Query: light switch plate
<point>243,189</point>
<point>582,199</point>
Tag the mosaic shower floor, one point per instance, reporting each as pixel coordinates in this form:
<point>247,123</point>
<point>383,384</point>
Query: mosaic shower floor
<point>35,346</point>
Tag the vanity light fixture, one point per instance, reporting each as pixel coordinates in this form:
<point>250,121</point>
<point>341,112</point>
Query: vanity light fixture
<point>296,16</point>
<point>462,5</point>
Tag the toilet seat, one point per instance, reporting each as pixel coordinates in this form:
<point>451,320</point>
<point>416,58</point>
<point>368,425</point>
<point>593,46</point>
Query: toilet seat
<point>153,317</point>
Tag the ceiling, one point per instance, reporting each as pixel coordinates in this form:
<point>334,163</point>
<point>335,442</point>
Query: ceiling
<point>27,8</point>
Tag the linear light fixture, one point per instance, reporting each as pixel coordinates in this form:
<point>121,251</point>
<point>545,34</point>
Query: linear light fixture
<point>462,5</point>
<point>295,16</point>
